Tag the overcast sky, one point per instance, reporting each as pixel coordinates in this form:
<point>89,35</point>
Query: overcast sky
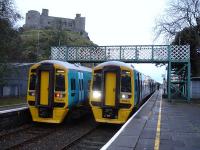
<point>109,22</point>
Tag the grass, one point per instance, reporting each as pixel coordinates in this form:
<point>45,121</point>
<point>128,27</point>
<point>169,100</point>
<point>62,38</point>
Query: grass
<point>12,100</point>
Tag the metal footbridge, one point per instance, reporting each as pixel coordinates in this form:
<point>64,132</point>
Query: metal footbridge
<point>176,56</point>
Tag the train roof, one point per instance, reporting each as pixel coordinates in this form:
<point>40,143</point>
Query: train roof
<point>119,63</point>
<point>115,63</point>
<point>67,65</point>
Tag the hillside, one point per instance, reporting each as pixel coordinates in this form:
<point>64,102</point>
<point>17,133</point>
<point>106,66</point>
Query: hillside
<point>36,44</point>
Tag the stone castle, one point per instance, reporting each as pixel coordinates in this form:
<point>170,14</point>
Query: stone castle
<point>35,20</point>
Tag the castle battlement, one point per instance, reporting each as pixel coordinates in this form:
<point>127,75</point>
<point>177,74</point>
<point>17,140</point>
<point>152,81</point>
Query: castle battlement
<point>35,20</point>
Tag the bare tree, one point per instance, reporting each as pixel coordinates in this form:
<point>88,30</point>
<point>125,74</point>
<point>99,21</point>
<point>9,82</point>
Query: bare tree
<point>179,14</point>
<point>8,11</point>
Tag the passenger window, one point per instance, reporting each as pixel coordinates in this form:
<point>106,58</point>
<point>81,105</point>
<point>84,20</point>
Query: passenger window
<point>60,82</point>
<point>136,84</point>
<point>89,81</point>
<point>82,83</point>
<point>79,84</point>
<point>97,81</point>
<point>125,82</point>
<point>32,82</point>
<point>73,84</point>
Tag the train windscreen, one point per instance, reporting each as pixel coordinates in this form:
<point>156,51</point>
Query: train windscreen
<point>60,82</point>
<point>97,80</point>
<point>32,82</point>
<point>125,82</point>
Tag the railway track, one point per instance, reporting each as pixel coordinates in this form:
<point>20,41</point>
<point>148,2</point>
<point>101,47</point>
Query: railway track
<point>16,139</point>
<point>4,132</point>
<point>93,139</point>
<point>65,136</point>
<point>47,136</point>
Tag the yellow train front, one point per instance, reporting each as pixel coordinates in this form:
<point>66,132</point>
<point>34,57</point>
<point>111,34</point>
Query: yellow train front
<point>55,88</point>
<point>116,90</point>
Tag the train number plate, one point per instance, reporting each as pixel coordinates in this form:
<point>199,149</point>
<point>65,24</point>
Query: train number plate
<point>109,113</point>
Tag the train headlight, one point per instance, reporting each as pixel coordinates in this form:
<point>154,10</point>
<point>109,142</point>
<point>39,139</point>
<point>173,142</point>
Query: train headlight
<point>59,95</point>
<point>125,96</point>
<point>96,94</point>
<point>32,93</point>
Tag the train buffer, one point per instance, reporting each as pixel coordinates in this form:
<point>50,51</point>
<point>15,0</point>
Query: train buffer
<point>160,125</point>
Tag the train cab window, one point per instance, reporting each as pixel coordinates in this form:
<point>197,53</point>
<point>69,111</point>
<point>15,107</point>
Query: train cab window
<point>60,82</point>
<point>125,81</point>
<point>97,80</point>
<point>73,84</point>
<point>32,82</point>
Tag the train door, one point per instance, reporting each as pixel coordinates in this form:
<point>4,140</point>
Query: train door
<point>139,88</point>
<point>45,90</point>
<point>110,92</point>
<point>80,83</point>
<point>72,87</point>
<point>44,87</point>
<point>136,92</point>
<point>82,87</point>
<point>140,84</point>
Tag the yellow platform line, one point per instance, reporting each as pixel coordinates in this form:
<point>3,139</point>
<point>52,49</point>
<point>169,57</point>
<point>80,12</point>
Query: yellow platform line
<point>157,139</point>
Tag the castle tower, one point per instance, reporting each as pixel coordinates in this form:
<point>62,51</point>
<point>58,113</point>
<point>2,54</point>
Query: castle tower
<point>44,18</point>
<point>32,19</point>
<point>79,23</point>
<point>45,12</point>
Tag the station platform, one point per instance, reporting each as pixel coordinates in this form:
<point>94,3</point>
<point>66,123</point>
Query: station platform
<point>160,125</point>
<point>13,108</point>
<point>14,115</point>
